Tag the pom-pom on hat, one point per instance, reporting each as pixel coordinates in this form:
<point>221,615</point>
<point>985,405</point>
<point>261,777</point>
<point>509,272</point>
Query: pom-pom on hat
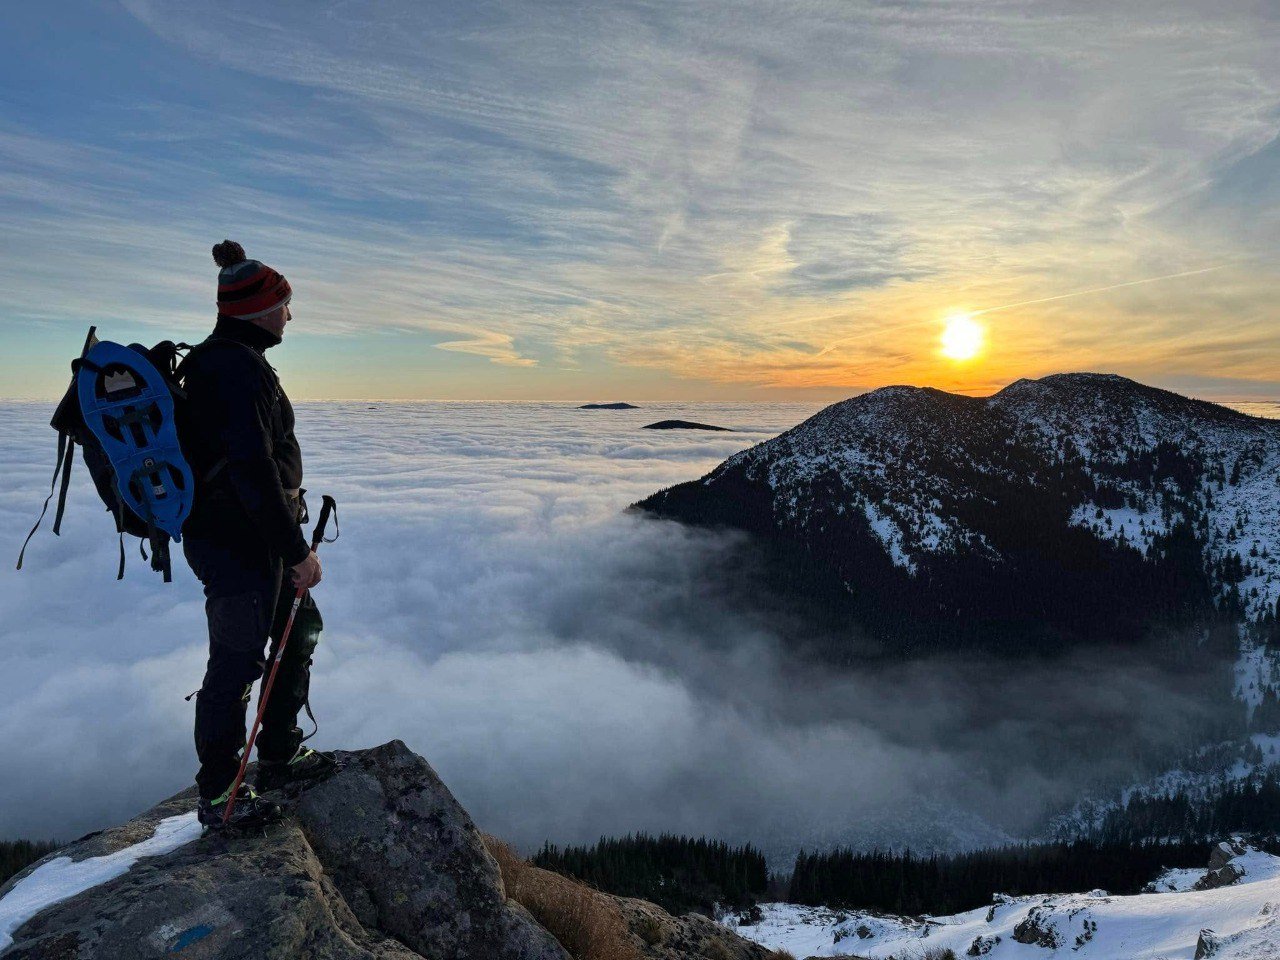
<point>247,289</point>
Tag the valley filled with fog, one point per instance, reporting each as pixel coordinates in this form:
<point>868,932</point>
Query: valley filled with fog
<point>570,669</point>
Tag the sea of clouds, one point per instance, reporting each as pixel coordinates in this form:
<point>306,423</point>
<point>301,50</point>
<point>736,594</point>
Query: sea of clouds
<point>569,668</point>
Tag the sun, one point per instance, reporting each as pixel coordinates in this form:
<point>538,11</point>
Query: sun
<point>962,336</point>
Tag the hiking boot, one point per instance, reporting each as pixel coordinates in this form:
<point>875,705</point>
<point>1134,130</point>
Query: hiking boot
<point>250,810</point>
<point>305,766</point>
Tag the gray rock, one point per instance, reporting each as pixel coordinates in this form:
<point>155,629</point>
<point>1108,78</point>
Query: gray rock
<point>1038,928</point>
<point>1223,871</point>
<point>265,896</point>
<point>1224,876</point>
<point>1224,851</point>
<point>1207,944</point>
<point>982,945</point>
<point>657,935</point>
<point>400,846</point>
<point>379,862</point>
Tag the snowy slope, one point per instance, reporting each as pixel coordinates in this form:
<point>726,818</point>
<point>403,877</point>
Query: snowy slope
<point>1244,919</point>
<point>1257,669</point>
<point>1065,511</point>
<point>899,456</point>
<point>918,464</point>
<point>1116,424</point>
<point>1215,768</point>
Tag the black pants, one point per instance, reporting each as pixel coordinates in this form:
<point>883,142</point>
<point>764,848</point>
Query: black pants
<point>245,606</point>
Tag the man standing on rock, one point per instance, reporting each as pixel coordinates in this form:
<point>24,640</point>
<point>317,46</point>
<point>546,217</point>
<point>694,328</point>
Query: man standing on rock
<point>244,531</point>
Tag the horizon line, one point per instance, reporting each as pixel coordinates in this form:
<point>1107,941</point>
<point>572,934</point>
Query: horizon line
<point>1209,399</point>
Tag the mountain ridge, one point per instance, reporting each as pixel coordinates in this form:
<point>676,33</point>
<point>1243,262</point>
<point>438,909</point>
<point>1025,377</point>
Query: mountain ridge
<point>904,491</point>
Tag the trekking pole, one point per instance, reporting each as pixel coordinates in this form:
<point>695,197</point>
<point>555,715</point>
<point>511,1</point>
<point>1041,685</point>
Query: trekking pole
<point>317,538</point>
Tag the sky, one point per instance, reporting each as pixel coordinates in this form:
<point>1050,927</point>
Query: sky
<point>729,199</point>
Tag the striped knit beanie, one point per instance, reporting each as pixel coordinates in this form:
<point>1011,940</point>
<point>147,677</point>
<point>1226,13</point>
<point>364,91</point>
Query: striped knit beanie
<point>247,289</point>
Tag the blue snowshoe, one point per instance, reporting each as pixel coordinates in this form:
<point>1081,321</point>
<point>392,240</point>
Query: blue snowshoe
<point>120,410</point>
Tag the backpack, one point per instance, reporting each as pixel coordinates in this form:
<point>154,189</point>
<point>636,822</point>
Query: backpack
<point>120,410</point>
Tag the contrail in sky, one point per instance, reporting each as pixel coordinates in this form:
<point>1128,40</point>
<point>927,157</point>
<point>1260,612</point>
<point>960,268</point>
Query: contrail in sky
<point>1083,293</point>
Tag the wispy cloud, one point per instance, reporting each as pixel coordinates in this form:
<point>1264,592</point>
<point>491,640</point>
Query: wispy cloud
<point>498,347</point>
<point>713,192</point>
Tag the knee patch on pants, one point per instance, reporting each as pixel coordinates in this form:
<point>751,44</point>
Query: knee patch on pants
<point>306,625</point>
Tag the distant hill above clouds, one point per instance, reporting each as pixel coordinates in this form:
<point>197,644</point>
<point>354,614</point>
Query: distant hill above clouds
<point>1078,508</point>
<point>683,425</point>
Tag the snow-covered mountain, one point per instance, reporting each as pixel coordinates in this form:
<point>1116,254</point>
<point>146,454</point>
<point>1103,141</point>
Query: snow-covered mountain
<point>1228,912</point>
<point>1074,508</point>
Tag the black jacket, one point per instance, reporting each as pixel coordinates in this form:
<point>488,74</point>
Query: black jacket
<point>237,431</point>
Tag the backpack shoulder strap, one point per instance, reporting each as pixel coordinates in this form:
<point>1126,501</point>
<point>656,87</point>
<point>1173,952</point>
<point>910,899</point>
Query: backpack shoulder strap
<point>168,357</point>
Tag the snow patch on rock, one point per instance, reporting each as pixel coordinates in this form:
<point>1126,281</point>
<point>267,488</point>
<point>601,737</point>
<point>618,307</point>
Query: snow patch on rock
<point>62,878</point>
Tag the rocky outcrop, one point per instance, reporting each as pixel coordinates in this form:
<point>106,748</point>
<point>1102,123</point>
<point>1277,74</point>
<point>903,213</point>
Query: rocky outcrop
<point>1038,928</point>
<point>379,861</point>
<point>1223,871</point>
<point>1207,944</point>
<point>660,936</point>
<point>982,945</point>
<point>608,406</point>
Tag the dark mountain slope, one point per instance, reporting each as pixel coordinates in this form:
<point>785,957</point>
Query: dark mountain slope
<point>1076,509</point>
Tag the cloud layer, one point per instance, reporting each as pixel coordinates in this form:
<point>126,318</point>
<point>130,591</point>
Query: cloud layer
<point>569,669</point>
